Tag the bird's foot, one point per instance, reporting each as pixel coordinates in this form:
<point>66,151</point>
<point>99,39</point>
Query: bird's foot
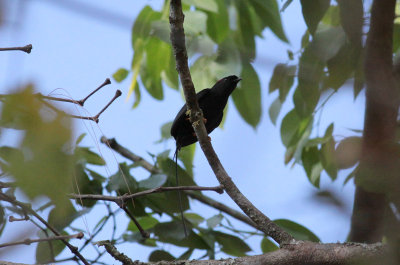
<point>204,120</point>
<point>196,123</point>
<point>188,112</point>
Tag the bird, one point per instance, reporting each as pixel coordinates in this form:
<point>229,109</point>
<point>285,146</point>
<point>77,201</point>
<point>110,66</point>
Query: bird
<point>212,102</point>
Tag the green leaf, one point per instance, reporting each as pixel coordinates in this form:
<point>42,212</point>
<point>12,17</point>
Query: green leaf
<point>298,231</point>
<point>195,22</point>
<point>214,221</point>
<point>352,18</point>
<point>84,155</point>
<point>168,167</point>
<point>194,218</point>
<point>332,16</point>
<point>328,158</point>
<point>160,255</point>
<point>310,73</point>
<point>348,152</point>
<point>44,250</point>
<point>267,245</point>
<point>310,157</point>
<point>274,110</point>
<point>218,23</point>
<point>80,138</point>
<point>313,11</point>
<point>327,43</point>
<point>172,232</point>
<point>246,31</point>
<point>269,14</point>
<point>247,97</point>
<point>342,66</point>
<point>86,186</point>
<point>186,255</point>
<point>143,24</point>
<point>186,155</point>
<point>120,75</point>
<point>154,181</point>
<point>231,245</point>
<point>61,216</point>
<point>146,222</point>
<point>120,181</point>
<point>289,128</point>
<point>282,79</point>
<point>207,5</point>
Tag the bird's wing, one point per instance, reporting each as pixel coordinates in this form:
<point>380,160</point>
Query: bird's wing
<point>181,116</point>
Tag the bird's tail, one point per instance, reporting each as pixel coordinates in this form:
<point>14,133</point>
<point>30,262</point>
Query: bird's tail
<point>179,192</point>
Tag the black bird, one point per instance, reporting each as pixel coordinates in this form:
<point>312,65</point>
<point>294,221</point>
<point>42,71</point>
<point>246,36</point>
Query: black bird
<point>212,102</point>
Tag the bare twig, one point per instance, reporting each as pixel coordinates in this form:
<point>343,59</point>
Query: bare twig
<point>126,197</point>
<point>30,241</point>
<point>26,48</point>
<point>13,219</point>
<point>112,250</point>
<point>113,144</point>
<point>141,230</point>
<point>81,103</point>
<point>106,82</point>
<point>29,210</point>
<point>178,43</point>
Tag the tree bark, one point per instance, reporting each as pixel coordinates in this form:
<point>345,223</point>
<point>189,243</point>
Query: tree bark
<point>378,162</point>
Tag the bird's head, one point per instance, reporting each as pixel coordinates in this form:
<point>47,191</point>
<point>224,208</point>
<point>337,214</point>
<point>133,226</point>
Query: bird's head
<point>226,85</point>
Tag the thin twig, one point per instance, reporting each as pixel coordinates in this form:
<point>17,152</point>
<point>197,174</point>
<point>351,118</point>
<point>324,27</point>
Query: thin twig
<point>30,241</point>
<point>106,82</point>
<point>80,102</point>
<point>26,48</point>
<point>142,232</point>
<point>26,208</point>
<point>178,43</point>
<point>126,197</point>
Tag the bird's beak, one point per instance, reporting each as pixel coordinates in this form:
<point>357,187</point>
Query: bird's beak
<point>238,80</point>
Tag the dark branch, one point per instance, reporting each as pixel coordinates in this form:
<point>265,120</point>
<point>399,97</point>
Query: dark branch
<point>29,210</point>
<point>306,253</point>
<point>30,241</point>
<point>26,48</point>
<point>82,101</point>
<point>127,197</point>
<point>178,43</point>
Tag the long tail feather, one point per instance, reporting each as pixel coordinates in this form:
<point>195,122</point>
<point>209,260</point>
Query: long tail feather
<point>179,192</point>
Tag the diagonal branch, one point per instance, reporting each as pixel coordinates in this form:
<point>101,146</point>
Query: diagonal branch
<point>178,43</point>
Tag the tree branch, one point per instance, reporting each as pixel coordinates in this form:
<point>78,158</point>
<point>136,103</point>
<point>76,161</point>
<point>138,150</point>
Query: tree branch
<point>113,144</point>
<point>29,210</point>
<point>26,48</point>
<point>306,253</point>
<point>178,43</point>
<point>378,170</point>
<point>52,238</point>
<point>124,198</point>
